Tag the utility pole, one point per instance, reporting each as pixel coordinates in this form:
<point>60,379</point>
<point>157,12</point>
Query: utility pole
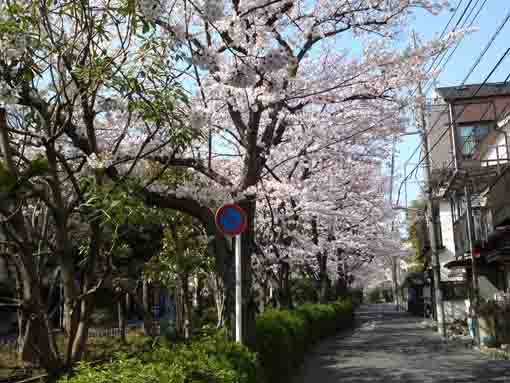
<point>436,266</point>
<point>394,258</point>
<point>474,272</point>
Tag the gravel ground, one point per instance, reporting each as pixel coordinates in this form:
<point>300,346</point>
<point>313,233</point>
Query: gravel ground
<point>388,346</point>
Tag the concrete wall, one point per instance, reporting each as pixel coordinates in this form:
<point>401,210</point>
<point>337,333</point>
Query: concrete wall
<point>481,109</point>
<point>497,150</point>
<point>487,289</point>
<point>448,253</point>
<point>454,309</point>
<point>437,121</point>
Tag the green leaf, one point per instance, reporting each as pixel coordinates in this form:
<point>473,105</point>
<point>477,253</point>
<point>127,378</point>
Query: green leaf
<point>146,27</point>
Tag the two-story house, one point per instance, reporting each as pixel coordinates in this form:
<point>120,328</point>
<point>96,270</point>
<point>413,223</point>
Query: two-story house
<point>469,157</point>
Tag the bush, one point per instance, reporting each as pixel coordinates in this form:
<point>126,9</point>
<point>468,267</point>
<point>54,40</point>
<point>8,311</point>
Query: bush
<point>212,360</point>
<point>375,295</point>
<point>284,336</point>
<point>303,291</point>
<point>356,296</point>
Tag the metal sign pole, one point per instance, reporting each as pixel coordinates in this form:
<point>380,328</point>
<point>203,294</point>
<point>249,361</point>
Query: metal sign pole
<point>239,291</point>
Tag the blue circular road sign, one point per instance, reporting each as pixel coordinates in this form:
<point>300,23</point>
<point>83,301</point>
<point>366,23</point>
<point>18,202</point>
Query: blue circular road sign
<point>231,219</point>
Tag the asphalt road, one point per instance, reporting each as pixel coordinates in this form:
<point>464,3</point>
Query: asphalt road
<point>388,346</point>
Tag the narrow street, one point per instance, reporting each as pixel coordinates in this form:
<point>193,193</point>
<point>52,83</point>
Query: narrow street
<point>388,346</point>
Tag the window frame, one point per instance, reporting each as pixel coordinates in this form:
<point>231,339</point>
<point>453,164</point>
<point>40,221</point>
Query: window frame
<point>478,139</point>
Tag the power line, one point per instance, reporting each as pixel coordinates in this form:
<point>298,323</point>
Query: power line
<point>470,72</point>
<point>444,31</point>
<point>458,44</point>
<point>491,41</point>
<point>455,118</point>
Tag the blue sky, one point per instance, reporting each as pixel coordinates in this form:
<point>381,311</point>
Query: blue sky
<point>490,17</point>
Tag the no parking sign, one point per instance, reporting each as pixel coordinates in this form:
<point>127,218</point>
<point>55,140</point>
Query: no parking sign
<point>231,220</point>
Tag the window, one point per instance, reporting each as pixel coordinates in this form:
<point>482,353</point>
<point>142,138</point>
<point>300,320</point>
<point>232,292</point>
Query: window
<point>470,137</point>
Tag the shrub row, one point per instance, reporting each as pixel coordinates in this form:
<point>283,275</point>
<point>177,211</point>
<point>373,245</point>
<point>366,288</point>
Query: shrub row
<point>283,337</point>
<point>210,360</point>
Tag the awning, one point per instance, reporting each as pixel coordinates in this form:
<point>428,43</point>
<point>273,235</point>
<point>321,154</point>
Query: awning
<point>501,255</point>
<point>499,234</point>
<point>460,263</point>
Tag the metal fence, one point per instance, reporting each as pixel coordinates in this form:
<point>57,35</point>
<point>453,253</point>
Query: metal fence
<point>10,342</point>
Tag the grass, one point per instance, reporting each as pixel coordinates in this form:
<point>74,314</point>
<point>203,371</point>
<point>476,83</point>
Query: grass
<point>99,348</point>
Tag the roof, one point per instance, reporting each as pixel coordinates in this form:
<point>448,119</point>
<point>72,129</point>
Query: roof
<point>465,92</point>
<point>458,264</point>
<point>464,263</point>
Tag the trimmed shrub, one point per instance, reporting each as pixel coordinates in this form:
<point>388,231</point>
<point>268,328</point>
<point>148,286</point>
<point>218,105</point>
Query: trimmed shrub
<point>212,360</point>
<point>357,296</point>
<point>303,291</point>
<point>284,336</point>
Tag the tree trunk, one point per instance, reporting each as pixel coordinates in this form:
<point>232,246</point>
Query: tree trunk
<point>147,315</point>
<point>264,294</point>
<point>179,309</point>
<point>128,305</point>
<point>284,291</point>
<point>82,329</point>
<point>121,311</point>
<point>323,279</point>
<point>37,345</point>
<point>219,299</point>
<point>187,307</point>
<point>249,306</point>
<point>197,296</point>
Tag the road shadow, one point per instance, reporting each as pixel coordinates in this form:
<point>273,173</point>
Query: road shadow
<point>388,346</point>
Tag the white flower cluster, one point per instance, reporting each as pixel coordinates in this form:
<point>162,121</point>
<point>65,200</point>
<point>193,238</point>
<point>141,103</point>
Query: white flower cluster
<point>241,77</point>
<point>101,161</point>
<point>199,118</point>
<point>150,8</point>
<point>205,60</point>
<point>276,59</point>
<point>213,10</point>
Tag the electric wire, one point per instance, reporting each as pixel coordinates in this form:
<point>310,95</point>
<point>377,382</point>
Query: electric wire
<point>456,116</point>
<point>428,86</point>
<point>444,31</point>
<point>470,72</point>
<point>453,30</point>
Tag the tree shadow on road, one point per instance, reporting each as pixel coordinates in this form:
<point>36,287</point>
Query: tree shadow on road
<point>393,348</point>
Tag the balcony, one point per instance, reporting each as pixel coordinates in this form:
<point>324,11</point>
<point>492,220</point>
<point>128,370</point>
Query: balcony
<point>481,156</point>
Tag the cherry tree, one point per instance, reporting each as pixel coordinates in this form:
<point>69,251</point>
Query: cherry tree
<point>102,87</point>
<point>273,86</point>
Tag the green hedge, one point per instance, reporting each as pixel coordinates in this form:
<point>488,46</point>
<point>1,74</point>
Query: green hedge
<point>283,338</point>
<point>212,360</point>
